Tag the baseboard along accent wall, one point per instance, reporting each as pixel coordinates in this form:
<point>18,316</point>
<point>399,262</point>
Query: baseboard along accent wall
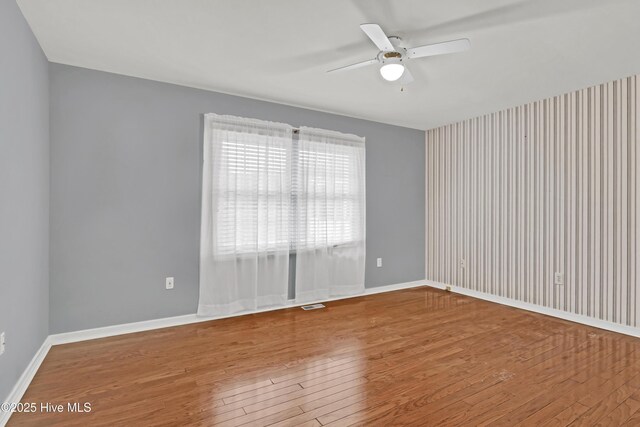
<point>560,314</point>
<point>539,203</point>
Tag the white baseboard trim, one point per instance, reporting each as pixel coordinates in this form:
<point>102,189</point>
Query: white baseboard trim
<point>396,287</point>
<point>125,328</point>
<point>128,328</point>
<point>577,318</point>
<point>25,379</point>
<point>69,337</point>
<point>108,331</point>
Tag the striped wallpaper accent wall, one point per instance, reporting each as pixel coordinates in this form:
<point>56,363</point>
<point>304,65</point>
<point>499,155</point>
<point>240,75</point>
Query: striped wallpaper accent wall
<point>553,186</point>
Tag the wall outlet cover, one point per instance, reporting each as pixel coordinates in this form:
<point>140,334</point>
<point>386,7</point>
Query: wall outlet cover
<point>169,283</point>
<point>558,279</point>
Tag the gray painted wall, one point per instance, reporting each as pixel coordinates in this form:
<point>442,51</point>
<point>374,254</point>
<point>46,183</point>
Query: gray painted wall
<point>125,212</point>
<point>24,194</point>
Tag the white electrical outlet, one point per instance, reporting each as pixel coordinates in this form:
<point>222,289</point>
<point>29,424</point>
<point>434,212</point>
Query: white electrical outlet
<point>2,342</point>
<point>379,262</point>
<point>558,279</point>
<point>463,263</point>
<point>169,282</point>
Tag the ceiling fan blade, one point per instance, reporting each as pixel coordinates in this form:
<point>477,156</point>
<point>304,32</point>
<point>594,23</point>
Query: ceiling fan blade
<point>407,77</point>
<point>354,66</point>
<point>378,37</point>
<point>439,48</point>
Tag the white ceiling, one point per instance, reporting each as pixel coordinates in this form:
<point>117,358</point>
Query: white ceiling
<point>279,50</point>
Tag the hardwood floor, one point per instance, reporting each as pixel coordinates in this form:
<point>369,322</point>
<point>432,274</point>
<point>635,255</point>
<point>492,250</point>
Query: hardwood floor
<point>414,357</point>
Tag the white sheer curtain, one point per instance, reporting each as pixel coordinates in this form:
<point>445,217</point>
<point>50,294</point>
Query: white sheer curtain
<point>329,194</point>
<point>246,194</point>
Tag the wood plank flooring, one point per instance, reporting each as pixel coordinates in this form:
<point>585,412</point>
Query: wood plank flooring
<point>415,357</point>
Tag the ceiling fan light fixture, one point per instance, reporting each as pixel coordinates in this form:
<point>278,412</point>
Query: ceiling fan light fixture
<point>391,72</point>
<point>393,54</point>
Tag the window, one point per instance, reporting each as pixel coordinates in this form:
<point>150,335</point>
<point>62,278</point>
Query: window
<point>328,200</point>
<point>252,194</point>
<point>266,193</point>
<point>274,192</point>
<point>251,167</point>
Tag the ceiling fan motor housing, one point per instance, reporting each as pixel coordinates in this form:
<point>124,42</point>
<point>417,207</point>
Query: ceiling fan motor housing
<point>390,57</point>
<point>392,53</point>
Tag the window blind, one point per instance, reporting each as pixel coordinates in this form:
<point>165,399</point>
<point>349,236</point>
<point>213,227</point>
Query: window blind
<point>324,199</point>
<point>252,202</point>
<point>327,195</point>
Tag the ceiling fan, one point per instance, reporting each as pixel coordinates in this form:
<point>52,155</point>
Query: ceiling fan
<point>393,56</point>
